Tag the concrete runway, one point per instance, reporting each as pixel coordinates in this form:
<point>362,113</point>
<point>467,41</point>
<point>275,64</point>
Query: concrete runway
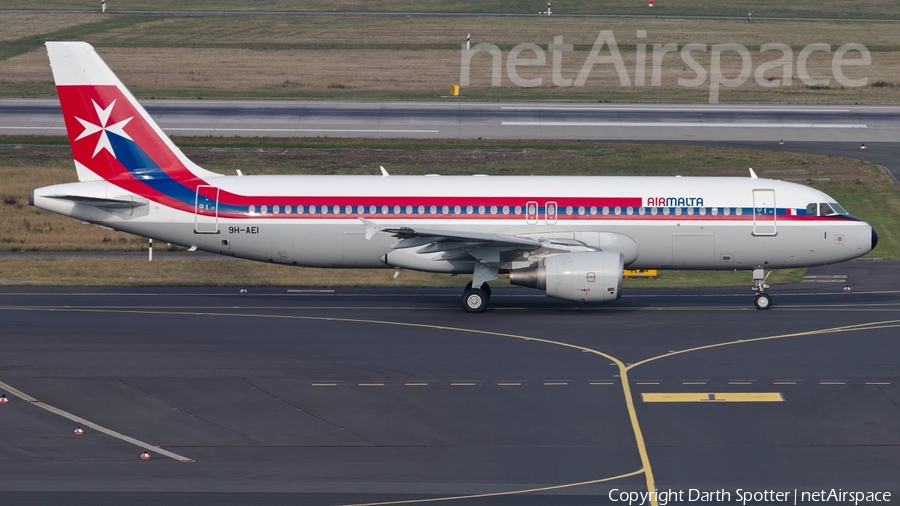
<point>364,395</point>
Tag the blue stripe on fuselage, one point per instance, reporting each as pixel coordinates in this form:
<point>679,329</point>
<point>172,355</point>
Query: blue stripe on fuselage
<point>147,171</point>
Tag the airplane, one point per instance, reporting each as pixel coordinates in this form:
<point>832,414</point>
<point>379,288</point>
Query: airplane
<point>569,236</point>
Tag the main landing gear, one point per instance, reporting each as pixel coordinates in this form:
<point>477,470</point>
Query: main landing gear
<point>475,300</point>
<point>762,300</point>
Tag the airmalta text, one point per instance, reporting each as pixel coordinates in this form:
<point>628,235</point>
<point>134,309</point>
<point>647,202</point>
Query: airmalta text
<point>674,201</point>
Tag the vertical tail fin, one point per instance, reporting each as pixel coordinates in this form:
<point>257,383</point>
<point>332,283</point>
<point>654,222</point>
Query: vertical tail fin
<point>112,136</point>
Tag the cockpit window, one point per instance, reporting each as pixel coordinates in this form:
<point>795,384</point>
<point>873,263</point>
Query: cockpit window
<point>824,209</point>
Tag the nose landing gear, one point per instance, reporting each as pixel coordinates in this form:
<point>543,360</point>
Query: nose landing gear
<point>762,299</point>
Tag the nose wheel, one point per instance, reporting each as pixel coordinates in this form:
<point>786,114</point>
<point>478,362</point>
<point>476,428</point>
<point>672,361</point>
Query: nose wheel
<point>762,299</point>
<point>475,300</point>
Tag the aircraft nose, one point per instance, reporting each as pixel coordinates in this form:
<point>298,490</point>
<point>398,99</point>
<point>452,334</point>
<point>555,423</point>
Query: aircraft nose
<point>874,239</point>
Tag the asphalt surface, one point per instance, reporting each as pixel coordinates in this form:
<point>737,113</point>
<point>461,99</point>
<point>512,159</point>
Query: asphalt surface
<point>837,131</point>
<point>513,120</point>
<point>365,395</point>
<point>425,14</point>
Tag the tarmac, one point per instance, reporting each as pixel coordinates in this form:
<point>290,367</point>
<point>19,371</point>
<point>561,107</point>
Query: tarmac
<point>360,396</point>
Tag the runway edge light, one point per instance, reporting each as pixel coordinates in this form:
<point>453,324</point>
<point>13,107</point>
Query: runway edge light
<point>145,456</point>
<point>79,431</point>
<point>3,399</point>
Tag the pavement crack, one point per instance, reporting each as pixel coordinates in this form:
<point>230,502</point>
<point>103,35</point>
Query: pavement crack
<point>199,417</point>
<point>889,398</point>
<point>317,417</point>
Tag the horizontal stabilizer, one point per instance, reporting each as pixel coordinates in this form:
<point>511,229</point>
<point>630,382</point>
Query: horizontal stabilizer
<point>123,202</point>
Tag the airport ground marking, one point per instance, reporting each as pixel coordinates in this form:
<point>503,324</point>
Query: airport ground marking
<point>712,397</point>
<point>832,330</point>
<point>646,470</point>
<point>501,494</point>
<point>623,369</point>
<point>87,423</point>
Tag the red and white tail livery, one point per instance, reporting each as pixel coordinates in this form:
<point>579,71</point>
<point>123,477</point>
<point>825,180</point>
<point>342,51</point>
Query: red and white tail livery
<point>570,236</point>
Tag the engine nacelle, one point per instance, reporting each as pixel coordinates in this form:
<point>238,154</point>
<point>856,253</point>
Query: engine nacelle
<point>583,276</point>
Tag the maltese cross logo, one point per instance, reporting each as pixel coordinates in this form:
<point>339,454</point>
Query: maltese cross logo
<point>103,141</point>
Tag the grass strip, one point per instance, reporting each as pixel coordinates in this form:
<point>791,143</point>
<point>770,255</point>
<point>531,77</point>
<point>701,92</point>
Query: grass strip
<point>29,43</point>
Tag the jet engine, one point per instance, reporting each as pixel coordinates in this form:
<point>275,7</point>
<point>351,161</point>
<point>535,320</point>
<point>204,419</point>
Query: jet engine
<point>582,276</point>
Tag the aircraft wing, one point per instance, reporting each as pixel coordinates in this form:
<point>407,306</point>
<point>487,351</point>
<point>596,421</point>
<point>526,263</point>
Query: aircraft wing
<point>427,235</point>
<point>454,244</point>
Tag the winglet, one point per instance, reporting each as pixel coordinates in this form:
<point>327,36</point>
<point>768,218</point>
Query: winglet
<point>371,228</point>
<point>752,174</point>
<point>384,172</point>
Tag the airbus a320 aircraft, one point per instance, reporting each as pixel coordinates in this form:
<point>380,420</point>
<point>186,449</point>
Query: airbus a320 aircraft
<point>569,236</point>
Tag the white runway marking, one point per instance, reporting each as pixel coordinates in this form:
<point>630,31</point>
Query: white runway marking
<point>679,124</point>
<point>215,129</point>
<point>369,130</point>
<point>698,109</point>
<point>87,423</point>
<point>31,128</point>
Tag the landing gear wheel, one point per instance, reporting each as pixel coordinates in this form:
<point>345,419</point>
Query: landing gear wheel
<point>484,286</point>
<point>762,301</point>
<point>475,300</point>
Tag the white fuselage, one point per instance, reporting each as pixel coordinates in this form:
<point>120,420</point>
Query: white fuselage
<point>656,222</point>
